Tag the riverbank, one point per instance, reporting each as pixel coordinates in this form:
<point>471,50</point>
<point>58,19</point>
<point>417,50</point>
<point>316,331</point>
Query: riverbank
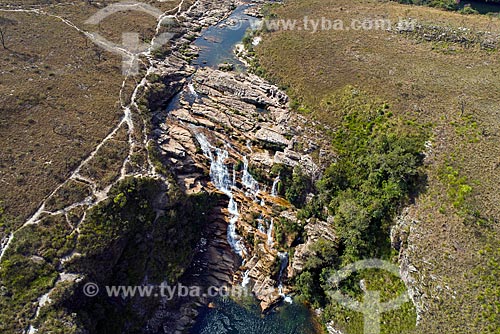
<point>449,84</point>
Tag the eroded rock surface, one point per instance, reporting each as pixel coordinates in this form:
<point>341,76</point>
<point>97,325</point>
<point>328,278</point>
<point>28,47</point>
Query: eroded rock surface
<point>248,118</point>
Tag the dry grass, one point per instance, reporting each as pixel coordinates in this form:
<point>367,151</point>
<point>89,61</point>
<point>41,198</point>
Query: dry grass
<point>59,96</point>
<point>425,81</point>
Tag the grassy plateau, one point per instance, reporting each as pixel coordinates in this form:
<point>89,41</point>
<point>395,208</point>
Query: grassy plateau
<point>450,88</point>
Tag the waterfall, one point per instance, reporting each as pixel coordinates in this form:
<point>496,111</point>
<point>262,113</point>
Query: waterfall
<point>261,228</point>
<point>219,175</point>
<point>248,181</point>
<point>233,206</point>
<point>246,279</point>
<point>275,186</point>
<point>283,256</point>
<point>191,90</point>
<point>234,176</point>
<point>205,145</point>
<point>270,233</point>
<point>286,298</point>
<point>234,239</point>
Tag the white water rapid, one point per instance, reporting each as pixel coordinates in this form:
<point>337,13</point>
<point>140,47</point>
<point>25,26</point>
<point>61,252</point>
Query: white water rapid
<point>274,190</point>
<point>219,175</point>
<point>283,256</point>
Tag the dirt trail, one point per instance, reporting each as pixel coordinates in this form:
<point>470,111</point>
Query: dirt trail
<point>97,195</point>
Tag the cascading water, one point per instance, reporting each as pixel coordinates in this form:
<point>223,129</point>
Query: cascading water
<point>229,317</point>
<point>205,145</point>
<point>270,240</point>
<point>274,190</point>
<point>249,182</point>
<point>246,279</point>
<point>191,90</point>
<point>234,175</point>
<point>219,175</point>
<point>283,256</point>
<point>260,225</point>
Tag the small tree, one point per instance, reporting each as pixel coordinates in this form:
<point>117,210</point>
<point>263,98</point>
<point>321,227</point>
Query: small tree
<point>98,53</point>
<point>4,23</point>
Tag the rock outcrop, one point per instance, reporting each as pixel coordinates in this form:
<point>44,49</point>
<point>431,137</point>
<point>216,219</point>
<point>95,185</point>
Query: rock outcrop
<point>315,229</point>
<point>246,117</point>
<point>400,235</point>
<point>462,36</point>
<point>249,119</point>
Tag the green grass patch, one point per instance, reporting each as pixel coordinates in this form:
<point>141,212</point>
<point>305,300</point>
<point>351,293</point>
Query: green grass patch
<point>377,171</point>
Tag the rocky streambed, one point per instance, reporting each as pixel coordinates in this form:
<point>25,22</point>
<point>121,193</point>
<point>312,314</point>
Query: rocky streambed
<point>226,132</point>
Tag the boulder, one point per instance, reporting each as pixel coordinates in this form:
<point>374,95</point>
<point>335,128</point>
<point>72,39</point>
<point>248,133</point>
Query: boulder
<point>272,137</point>
<point>226,67</point>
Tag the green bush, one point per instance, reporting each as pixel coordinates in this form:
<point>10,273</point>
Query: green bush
<point>298,187</point>
<point>458,188</point>
<point>377,170</point>
<point>294,183</point>
<point>468,10</point>
<point>445,4</point>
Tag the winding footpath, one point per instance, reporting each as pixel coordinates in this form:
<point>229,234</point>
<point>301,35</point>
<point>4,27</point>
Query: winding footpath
<point>98,195</point>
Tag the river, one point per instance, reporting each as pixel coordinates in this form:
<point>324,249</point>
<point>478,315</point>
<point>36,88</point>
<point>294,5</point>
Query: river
<point>228,316</point>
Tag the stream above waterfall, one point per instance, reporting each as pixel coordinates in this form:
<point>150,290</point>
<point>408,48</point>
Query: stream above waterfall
<point>217,43</point>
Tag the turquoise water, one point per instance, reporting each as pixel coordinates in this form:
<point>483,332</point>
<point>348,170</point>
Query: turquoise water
<point>217,43</point>
<point>231,318</point>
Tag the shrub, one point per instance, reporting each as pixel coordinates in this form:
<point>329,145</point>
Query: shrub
<point>377,169</point>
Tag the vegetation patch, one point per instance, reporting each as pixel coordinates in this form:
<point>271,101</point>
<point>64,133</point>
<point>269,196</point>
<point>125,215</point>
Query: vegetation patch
<point>294,184</point>
<point>451,87</point>
<point>23,279</point>
<point>71,192</point>
<point>377,171</point>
